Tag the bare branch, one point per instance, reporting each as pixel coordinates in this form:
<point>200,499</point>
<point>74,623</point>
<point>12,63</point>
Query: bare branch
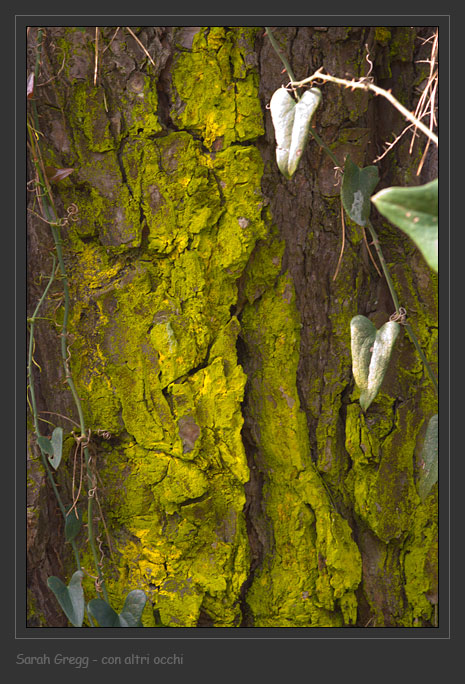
<point>363,84</point>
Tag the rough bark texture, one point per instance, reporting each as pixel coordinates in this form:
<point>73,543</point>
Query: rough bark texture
<point>242,486</point>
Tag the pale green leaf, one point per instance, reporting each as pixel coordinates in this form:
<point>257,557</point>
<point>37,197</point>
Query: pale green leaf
<point>103,613</point>
<point>57,445</point>
<point>71,597</point>
<point>45,445</point>
<point>371,352</point>
<point>291,121</point>
<point>357,186</point>
<point>133,608</point>
<point>429,458</point>
<point>130,616</point>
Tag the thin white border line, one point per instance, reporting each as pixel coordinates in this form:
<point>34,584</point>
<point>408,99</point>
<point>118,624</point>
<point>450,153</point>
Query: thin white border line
<point>229,15</point>
<point>449,293</point>
<point>93,639</point>
<point>15,339</point>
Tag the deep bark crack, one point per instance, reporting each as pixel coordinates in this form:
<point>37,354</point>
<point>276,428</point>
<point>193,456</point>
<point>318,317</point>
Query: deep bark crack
<point>253,495</point>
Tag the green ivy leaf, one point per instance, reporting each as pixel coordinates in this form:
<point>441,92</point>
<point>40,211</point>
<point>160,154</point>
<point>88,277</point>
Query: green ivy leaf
<point>73,524</point>
<point>71,597</point>
<point>357,186</point>
<point>57,445</point>
<point>52,447</point>
<point>104,613</point>
<point>291,121</point>
<point>429,458</point>
<point>133,607</point>
<point>45,445</point>
<point>371,352</point>
<point>415,211</point>
<point>130,616</point>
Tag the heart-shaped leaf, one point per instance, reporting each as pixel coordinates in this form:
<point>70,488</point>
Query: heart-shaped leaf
<point>104,613</point>
<point>71,597</point>
<point>133,607</point>
<point>130,616</point>
<point>73,524</point>
<point>429,458</point>
<point>52,447</point>
<point>45,445</point>
<point>415,211</point>
<point>291,121</point>
<point>357,186</point>
<point>371,351</point>
<point>57,446</point>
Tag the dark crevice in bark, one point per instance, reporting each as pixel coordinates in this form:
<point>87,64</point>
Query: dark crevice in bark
<point>252,508</point>
<point>204,620</point>
<point>253,495</point>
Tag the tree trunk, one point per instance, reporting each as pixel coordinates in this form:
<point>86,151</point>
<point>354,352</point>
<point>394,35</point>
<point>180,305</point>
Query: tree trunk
<point>239,482</point>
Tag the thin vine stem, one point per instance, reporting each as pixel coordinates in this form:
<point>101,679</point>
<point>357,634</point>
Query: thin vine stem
<point>47,205</point>
<point>280,53</point>
<point>35,415</point>
<point>50,215</point>
<point>366,85</point>
<point>387,275</point>
<point>32,321</point>
<point>395,300</point>
<point>429,370</point>
<point>290,73</point>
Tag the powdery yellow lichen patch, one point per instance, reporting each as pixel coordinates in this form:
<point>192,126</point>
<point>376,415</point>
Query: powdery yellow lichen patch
<point>220,99</point>
<point>313,567</point>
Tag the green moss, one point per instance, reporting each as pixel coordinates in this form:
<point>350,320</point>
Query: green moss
<point>141,107</point>
<point>155,362</point>
<point>219,95</point>
<point>309,576</point>
<point>382,34</point>
<point>402,43</point>
<point>34,617</point>
<point>263,266</point>
<point>106,206</point>
<point>172,182</point>
<point>89,118</point>
<point>420,560</point>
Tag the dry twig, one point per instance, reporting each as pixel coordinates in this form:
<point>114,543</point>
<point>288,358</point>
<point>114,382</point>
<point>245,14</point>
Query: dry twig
<point>142,46</point>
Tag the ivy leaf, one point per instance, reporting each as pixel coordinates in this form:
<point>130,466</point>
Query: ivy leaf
<point>371,352</point>
<point>57,446</point>
<point>130,616</point>
<point>429,458</point>
<point>357,186</point>
<point>104,613</point>
<point>73,524</point>
<point>52,447</point>
<point>291,121</point>
<point>133,607</point>
<point>45,445</point>
<point>415,211</point>
<point>71,597</point>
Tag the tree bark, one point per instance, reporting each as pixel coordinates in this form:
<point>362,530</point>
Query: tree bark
<point>239,482</point>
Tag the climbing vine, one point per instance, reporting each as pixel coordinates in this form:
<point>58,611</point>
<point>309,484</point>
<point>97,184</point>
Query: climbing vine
<point>414,210</point>
<point>70,597</point>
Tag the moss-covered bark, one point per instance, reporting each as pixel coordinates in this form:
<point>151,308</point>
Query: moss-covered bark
<point>241,485</point>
